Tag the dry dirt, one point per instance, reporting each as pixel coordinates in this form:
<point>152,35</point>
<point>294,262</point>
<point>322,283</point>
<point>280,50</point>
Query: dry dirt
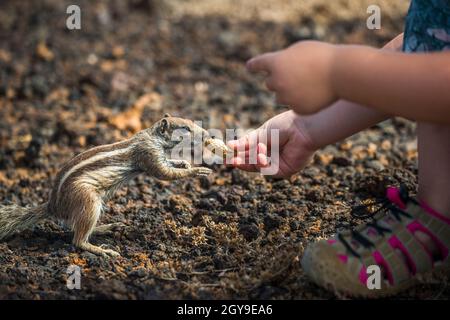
<point>231,235</point>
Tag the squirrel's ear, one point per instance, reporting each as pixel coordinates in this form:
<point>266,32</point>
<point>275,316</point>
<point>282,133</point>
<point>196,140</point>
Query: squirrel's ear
<point>164,125</point>
<point>166,115</point>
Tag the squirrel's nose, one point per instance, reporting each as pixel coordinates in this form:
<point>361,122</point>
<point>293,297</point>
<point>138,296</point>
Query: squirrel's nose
<point>206,135</point>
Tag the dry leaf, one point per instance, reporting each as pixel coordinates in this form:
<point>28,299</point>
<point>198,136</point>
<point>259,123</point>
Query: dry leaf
<point>131,118</point>
<point>44,52</point>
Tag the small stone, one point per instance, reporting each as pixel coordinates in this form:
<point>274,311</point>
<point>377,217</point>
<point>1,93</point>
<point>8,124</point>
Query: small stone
<point>238,177</point>
<point>294,225</point>
<point>325,158</point>
<point>197,218</point>
<point>320,31</point>
<point>311,172</point>
<point>372,149</point>
<point>140,273</point>
<point>299,34</point>
<point>33,150</point>
<point>44,52</point>
<point>205,182</point>
<point>5,56</point>
<point>347,145</point>
<point>383,160</point>
<point>271,222</point>
<point>92,59</point>
<point>386,145</point>
<point>342,161</point>
<point>220,181</point>
<point>89,256</point>
<point>314,195</point>
<point>376,165</point>
<point>249,231</point>
<point>118,52</point>
<point>228,40</point>
<point>359,152</point>
<point>207,203</point>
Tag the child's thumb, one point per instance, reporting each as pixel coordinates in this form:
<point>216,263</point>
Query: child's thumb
<point>262,63</point>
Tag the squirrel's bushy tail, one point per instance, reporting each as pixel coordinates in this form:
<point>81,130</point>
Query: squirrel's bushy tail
<point>15,218</point>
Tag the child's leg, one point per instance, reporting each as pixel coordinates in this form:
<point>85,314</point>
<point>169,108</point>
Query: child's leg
<point>434,173</point>
<point>412,237</point>
<point>434,166</point>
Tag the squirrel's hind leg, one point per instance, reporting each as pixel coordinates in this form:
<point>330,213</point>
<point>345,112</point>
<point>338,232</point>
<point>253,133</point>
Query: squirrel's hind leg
<point>83,225</point>
<point>98,250</point>
<point>105,229</point>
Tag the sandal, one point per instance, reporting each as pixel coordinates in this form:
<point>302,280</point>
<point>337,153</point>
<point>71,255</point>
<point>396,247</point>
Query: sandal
<point>341,264</point>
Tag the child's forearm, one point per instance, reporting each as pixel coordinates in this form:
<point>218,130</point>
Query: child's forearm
<point>411,85</point>
<point>344,118</point>
<point>339,121</point>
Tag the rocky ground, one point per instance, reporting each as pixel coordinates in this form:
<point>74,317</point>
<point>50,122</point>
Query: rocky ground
<point>231,235</point>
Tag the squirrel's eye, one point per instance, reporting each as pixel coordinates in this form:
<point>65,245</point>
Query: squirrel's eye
<point>187,128</point>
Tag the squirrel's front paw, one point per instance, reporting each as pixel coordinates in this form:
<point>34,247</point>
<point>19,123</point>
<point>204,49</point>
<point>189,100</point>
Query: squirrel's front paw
<point>184,164</point>
<point>181,164</point>
<point>202,171</point>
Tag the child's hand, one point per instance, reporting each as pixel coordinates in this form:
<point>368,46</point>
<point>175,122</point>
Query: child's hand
<point>295,146</point>
<point>300,76</point>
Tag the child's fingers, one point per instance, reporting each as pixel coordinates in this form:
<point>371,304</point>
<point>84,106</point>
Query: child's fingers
<point>248,142</point>
<point>262,63</point>
<point>239,144</point>
<point>262,161</point>
<point>262,148</point>
<point>246,153</point>
<point>242,159</point>
<point>245,157</point>
<point>270,84</point>
<point>241,163</point>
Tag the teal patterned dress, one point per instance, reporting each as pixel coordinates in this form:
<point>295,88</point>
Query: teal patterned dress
<point>427,26</point>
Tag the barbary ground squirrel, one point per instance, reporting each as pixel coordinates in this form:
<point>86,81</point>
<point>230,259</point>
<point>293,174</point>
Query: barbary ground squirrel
<point>86,181</point>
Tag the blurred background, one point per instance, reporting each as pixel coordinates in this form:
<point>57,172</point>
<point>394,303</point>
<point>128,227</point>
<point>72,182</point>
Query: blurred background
<point>188,55</point>
<point>231,235</point>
